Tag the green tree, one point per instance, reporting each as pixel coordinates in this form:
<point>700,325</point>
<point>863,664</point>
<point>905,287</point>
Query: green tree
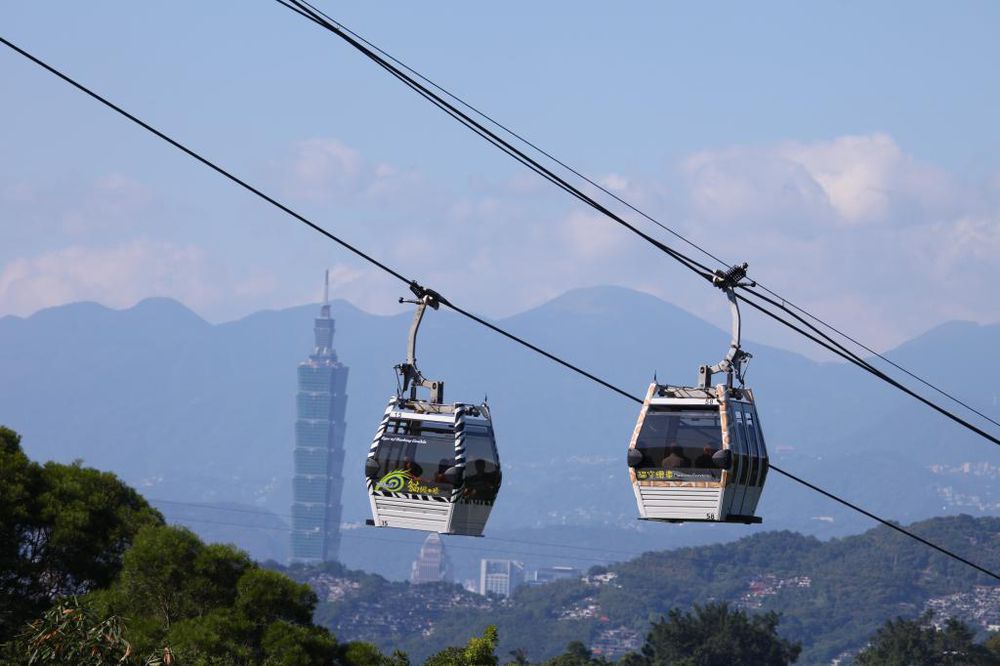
<point>993,644</point>
<point>70,633</point>
<point>63,531</point>
<point>287,644</point>
<point>479,651</point>
<point>19,481</point>
<point>713,635</point>
<point>360,653</point>
<point>902,642</point>
<point>518,657</point>
<point>577,654</point>
<point>211,602</point>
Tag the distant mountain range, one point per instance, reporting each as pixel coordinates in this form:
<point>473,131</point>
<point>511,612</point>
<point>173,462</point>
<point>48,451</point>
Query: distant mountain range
<point>198,414</point>
<point>832,596</point>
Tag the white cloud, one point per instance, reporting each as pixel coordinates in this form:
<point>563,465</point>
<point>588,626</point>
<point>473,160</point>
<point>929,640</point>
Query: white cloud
<point>614,182</point>
<point>322,168</point>
<point>117,276</point>
<point>853,228</point>
<point>847,181</point>
<point>328,170</point>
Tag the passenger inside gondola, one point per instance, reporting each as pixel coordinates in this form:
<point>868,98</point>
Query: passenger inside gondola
<point>413,468</point>
<point>443,466</point>
<point>704,461</point>
<point>681,440</point>
<point>676,458</point>
<point>481,483</point>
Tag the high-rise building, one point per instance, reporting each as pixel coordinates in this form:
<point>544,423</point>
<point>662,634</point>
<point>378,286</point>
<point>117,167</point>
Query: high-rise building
<point>432,565</point>
<point>500,577</point>
<point>544,575</point>
<point>319,446</point>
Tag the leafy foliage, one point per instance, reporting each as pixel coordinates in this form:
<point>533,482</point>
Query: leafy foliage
<point>479,651</point>
<point>713,634</point>
<point>212,600</point>
<point>68,530</point>
<point>69,633</point>
<point>576,654</point>
<point>902,642</point>
<point>360,653</point>
<point>63,531</point>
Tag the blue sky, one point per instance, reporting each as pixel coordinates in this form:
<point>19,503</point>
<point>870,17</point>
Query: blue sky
<point>847,150</point>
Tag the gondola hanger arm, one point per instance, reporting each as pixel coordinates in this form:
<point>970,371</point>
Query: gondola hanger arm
<point>733,362</point>
<point>412,377</point>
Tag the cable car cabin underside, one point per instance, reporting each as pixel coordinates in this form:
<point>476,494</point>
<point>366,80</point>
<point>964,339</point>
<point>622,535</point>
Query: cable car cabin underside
<point>698,455</point>
<point>433,467</point>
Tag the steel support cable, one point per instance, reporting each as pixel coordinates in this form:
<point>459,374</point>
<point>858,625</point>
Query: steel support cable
<point>302,8</point>
<point>863,364</point>
<point>506,129</point>
<point>477,128</point>
<point>785,304</point>
<point>375,262</point>
<point>889,524</point>
<point>176,144</point>
<point>322,19</point>
<point>228,175</point>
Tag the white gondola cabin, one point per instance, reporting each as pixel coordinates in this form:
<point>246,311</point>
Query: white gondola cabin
<point>698,454</point>
<point>431,466</point>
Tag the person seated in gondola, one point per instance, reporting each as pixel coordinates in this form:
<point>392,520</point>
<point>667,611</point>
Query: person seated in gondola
<point>704,461</point>
<point>443,466</point>
<point>481,484</point>
<point>413,468</point>
<point>676,459</point>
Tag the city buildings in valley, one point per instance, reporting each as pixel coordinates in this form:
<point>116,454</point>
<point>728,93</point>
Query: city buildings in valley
<point>431,565</point>
<point>501,577</point>
<point>543,575</point>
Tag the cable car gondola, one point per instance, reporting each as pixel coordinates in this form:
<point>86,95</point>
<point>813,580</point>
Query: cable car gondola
<point>698,453</point>
<point>431,466</point>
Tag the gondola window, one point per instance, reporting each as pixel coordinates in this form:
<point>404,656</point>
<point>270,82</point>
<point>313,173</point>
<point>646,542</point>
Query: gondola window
<point>681,442</point>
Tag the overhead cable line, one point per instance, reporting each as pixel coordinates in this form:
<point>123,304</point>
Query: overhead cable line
<point>786,304</point>
<point>490,136</point>
<point>860,362</point>
<point>309,12</point>
<point>510,132</point>
<point>375,262</point>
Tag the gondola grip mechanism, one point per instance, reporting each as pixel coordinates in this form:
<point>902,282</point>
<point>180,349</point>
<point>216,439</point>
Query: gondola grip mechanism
<point>728,281</point>
<point>412,378</point>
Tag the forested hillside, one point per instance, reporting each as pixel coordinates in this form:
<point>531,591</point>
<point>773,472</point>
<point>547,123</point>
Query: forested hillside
<point>832,595</point>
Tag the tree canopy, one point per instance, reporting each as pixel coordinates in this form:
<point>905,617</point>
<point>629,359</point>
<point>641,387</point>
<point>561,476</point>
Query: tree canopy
<point>714,635</point>
<point>479,651</point>
<point>64,530</point>
<point>213,600</point>
<point>903,642</point>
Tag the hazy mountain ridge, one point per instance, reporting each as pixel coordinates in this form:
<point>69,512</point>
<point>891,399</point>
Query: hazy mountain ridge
<point>194,412</point>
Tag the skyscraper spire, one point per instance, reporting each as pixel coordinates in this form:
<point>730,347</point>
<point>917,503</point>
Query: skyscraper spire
<point>319,446</point>
<point>325,310</point>
<point>324,326</point>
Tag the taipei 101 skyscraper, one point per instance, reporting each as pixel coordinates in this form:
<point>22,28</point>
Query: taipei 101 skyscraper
<point>319,446</point>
